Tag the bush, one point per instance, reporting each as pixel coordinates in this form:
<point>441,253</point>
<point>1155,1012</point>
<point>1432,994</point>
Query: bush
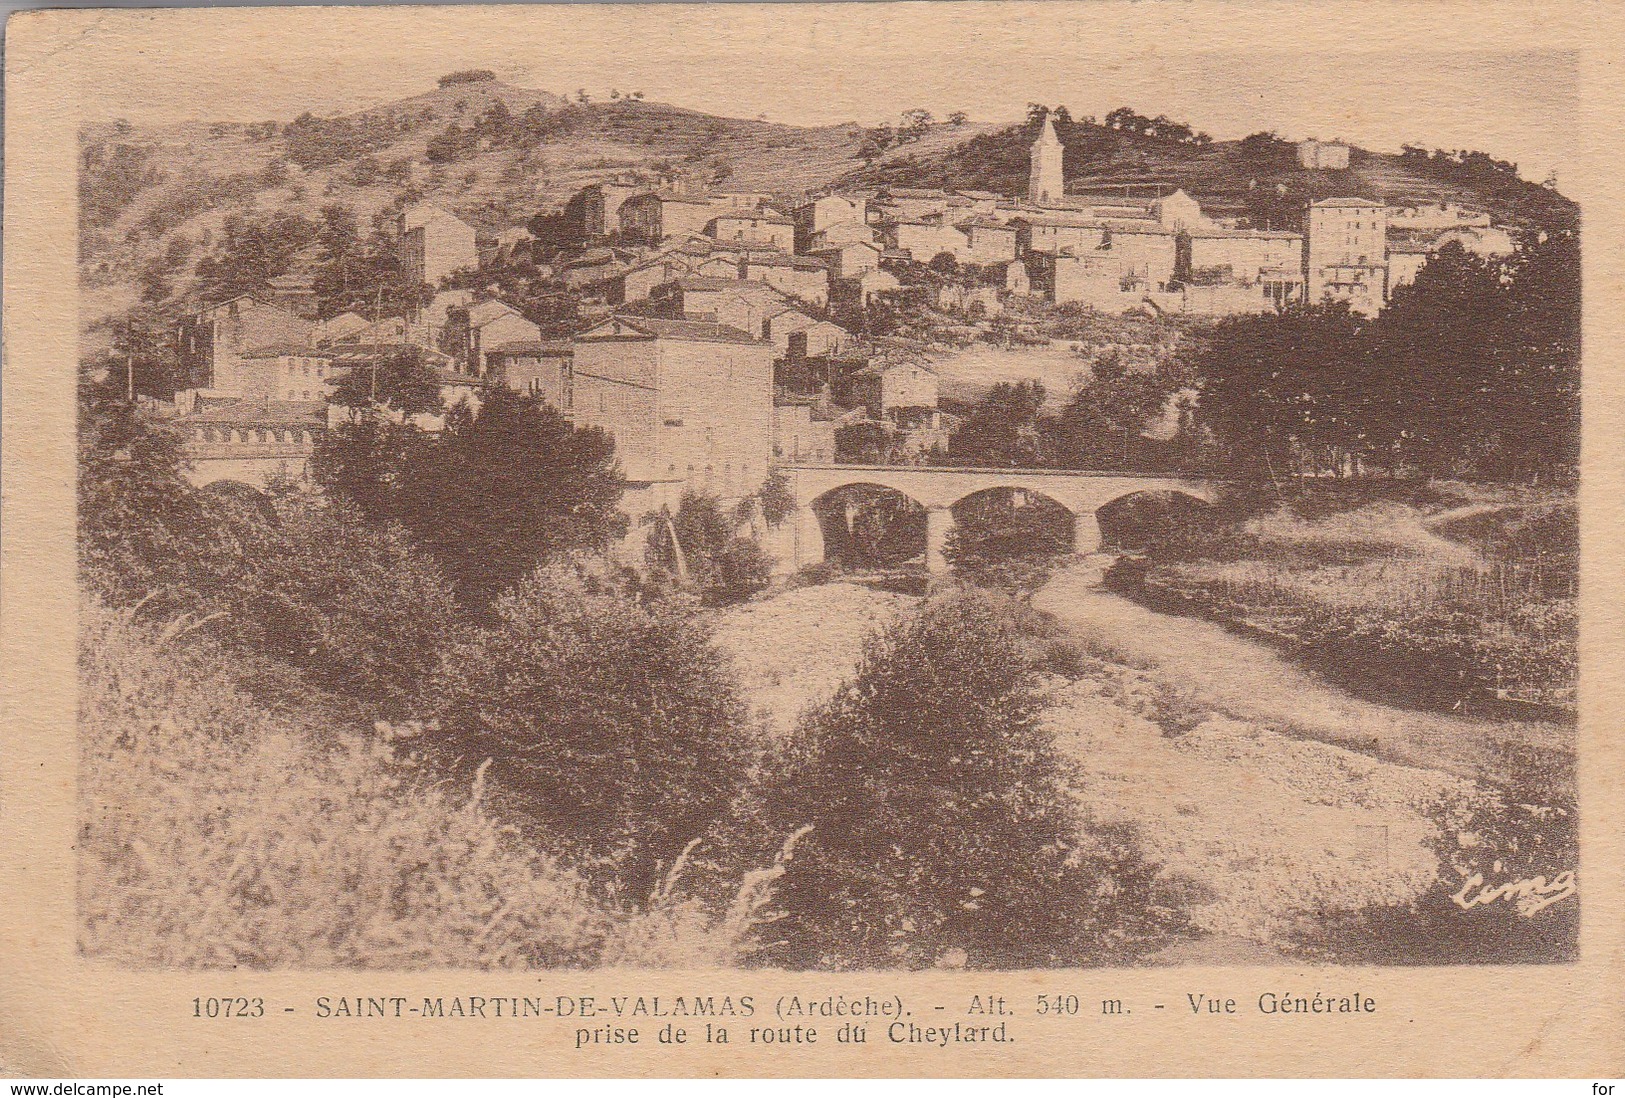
<point>942,832</point>
<point>144,532</point>
<point>613,725</point>
<point>349,602</point>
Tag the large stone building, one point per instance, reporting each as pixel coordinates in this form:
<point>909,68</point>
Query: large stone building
<point>1346,257</point>
<point>655,216</point>
<point>689,403</point>
<point>213,342</point>
<point>595,210</point>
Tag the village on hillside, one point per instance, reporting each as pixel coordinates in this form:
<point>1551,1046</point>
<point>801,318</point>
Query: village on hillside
<point>714,334</point>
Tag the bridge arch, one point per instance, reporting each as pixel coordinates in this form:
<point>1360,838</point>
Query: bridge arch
<point>1013,521</point>
<point>1133,520</point>
<point>865,522</point>
<point>939,489</point>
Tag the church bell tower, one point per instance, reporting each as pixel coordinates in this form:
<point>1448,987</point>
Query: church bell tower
<point>1044,185</point>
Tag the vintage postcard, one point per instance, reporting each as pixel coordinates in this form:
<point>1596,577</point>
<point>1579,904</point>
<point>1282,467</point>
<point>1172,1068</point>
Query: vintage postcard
<point>812,539</point>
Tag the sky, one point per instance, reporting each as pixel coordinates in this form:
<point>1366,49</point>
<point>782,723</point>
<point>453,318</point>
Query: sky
<point>1424,73</point>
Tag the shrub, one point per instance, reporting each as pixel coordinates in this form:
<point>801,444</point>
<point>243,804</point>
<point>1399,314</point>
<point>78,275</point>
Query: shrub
<point>613,725</point>
<point>349,602</point>
<point>941,828</point>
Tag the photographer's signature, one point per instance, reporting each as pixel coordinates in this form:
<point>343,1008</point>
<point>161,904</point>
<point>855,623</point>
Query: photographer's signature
<point>1530,895</point>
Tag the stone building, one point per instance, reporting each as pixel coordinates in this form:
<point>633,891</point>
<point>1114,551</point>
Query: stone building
<point>655,216</point>
<point>1323,156</point>
<point>754,228</point>
<point>1346,257</point>
<point>689,403</point>
<point>595,210</point>
<point>851,259</point>
<point>432,244</point>
<point>212,342</point>
<point>537,367</point>
<point>890,388</point>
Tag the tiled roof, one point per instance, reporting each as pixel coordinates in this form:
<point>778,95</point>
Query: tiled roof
<point>705,283</point>
<point>746,215</point>
<point>697,331</point>
<point>779,259</point>
<point>277,350</point>
<point>555,348</point>
<point>983,221</point>
<point>1243,234</point>
<point>351,353</point>
<point>1349,203</point>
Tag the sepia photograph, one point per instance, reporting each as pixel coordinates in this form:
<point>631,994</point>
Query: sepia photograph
<point>648,499</point>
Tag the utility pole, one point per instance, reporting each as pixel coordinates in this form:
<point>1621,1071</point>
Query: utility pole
<point>129,377</point>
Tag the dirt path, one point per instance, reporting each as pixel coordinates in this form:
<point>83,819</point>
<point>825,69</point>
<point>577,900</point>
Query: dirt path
<point>1248,680</point>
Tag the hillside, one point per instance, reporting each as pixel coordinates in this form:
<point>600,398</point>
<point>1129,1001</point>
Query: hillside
<point>1244,178</point>
<point>154,199</point>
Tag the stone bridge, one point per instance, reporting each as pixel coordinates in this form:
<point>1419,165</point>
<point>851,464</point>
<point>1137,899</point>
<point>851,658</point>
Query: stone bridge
<point>937,489</point>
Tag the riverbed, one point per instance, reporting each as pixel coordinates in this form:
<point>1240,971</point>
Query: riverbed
<point>1266,795</point>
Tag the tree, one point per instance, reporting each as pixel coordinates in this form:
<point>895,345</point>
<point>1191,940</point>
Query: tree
<point>958,118</point>
<point>915,124</point>
<point>1292,390</point>
<point>724,567</point>
<point>348,601</point>
<point>1100,427</point>
<point>613,725</point>
<point>250,253</point>
<point>467,76</point>
<point>368,279</point>
<point>508,488</point>
<point>400,381</point>
<point>143,531</point>
<point>1002,429</point>
<point>363,462</point>
<point>776,498</point>
<point>875,142</point>
<point>941,830</point>
<point>340,232</point>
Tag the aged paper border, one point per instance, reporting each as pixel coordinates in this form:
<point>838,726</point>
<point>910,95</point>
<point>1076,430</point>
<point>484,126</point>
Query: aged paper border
<point>60,1015</point>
